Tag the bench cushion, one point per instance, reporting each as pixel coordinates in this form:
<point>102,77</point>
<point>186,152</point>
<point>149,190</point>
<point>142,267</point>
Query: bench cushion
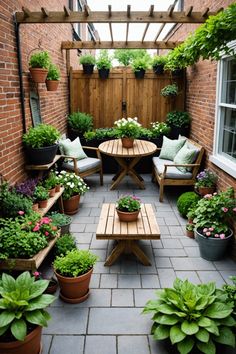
<point>73,148</point>
<point>170,148</point>
<point>185,156</point>
<point>83,164</point>
<point>172,172</point>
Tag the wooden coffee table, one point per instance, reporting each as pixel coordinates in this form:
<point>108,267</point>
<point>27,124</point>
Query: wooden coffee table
<point>127,233</point>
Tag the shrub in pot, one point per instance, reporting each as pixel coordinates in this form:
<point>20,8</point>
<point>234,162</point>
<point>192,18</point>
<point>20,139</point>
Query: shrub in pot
<point>41,195</point>
<point>104,64</point>
<point>187,201</point>
<point>62,221</point>
<point>140,65</point>
<point>192,317</point>
<point>158,63</point>
<point>88,61</point>
<point>40,144</point>
<point>179,123</point>
<point>39,64</point>
<point>53,77</point>
<point>22,313</point>
<point>73,272</point>
<point>64,244</point>
<point>79,123</point>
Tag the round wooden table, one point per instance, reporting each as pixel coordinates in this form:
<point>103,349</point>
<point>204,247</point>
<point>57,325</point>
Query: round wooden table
<point>127,158</point>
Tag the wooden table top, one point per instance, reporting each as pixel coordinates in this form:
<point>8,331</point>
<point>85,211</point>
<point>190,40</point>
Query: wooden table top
<point>109,226</point>
<point>115,148</point>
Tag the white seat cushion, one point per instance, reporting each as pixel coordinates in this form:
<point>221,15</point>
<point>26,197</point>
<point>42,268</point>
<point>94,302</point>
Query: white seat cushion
<point>172,172</point>
<point>83,165</point>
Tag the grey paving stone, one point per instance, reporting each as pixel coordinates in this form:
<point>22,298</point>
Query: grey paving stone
<point>84,220</point>
<point>192,251</point>
<point>83,246</point>
<point>83,237</point>
<point>67,344</point>
<point>169,252</point>
<point>46,340</point>
<point>122,298</point>
<point>163,262</point>
<point>67,320</point>
<point>225,264</point>
<point>209,276</point>
<point>100,345</point>
<point>98,244</point>
<point>171,221</point>
<point>109,281</point>
<point>91,227</point>
<point>189,275</point>
<point>141,296</point>
<point>97,298</point>
<point>157,243</point>
<point>95,212</point>
<point>188,242</point>
<point>161,221</point>
<point>115,268</point>
<point>142,269</point>
<point>100,268</point>
<point>226,274</point>
<point>166,277</point>
<point>129,281</point>
<point>193,263</point>
<point>133,345</point>
<point>165,214</point>
<point>82,212</point>
<point>118,321</point>
<point>95,281</point>
<point>164,230</point>
<point>176,231</point>
<point>101,253</point>
<point>77,227</point>
<point>172,243</point>
<point>150,281</point>
<point>129,266</point>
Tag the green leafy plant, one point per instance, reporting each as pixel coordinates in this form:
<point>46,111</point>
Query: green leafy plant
<point>178,119</point>
<point>64,244</point>
<point>170,90</point>
<point>187,201</point>
<point>190,227</point>
<point>125,56</point>
<point>59,219</point>
<point>87,59</point>
<point>158,60</point>
<point>40,60</point>
<point>53,72</point>
<point>141,63</point>
<point>230,290</point>
<point>75,263</point>
<point>128,203</point>
<point>104,61</point>
<point>192,316</point>
<point>100,133</point>
<point>41,136</point>
<point>51,181</point>
<point>159,129</point>
<point>40,193</point>
<point>72,183</point>
<point>23,304</point>
<point>128,127</point>
<point>81,122</point>
<point>191,213</point>
<point>206,178</point>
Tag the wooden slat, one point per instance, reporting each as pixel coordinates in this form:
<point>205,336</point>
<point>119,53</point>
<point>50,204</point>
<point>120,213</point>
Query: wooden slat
<point>26,12</point>
<point>128,11</point>
<point>86,10</point>
<point>109,11</point>
<point>159,32</point>
<point>103,220</point>
<point>145,31</point>
<point>205,12</point>
<point>110,27</point>
<point>170,10</point>
<point>45,12</point>
<point>127,33</point>
<point>151,10</point>
<point>152,219</point>
<point>67,11</point>
<point>189,10</point>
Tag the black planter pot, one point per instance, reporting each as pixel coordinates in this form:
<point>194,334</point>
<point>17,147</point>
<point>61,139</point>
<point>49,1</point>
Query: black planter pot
<point>41,156</point>
<point>176,131</point>
<point>103,73</point>
<point>158,69</point>
<point>178,72</point>
<point>88,69</point>
<point>139,74</point>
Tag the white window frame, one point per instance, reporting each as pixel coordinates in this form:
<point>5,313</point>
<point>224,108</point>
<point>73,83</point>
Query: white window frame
<point>218,159</point>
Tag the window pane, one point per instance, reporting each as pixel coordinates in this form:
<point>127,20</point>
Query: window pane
<point>227,139</point>
<point>229,81</point>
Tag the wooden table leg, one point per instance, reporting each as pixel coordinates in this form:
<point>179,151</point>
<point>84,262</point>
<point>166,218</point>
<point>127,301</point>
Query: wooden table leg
<point>139,253</point>
<point>116,252</point>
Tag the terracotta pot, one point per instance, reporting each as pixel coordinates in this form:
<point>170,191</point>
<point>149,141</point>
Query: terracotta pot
<point>43,203</point>
<point>190,233</point>
<point>35,207</point>
<point>206,190</point>
<point>52,192</point>
<point>31,344</point>
<point>52,287</point>
<point>74,290</point>
<point>38,74</point>
<point>127,216</point>
<point>127,142</point>
<point>58,188</point>
<point>52,85</point>
<point>71,205</point>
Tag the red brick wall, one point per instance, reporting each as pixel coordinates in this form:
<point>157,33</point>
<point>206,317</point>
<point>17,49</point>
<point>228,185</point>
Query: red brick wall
<point>201,93</point>
<point>54,105</point>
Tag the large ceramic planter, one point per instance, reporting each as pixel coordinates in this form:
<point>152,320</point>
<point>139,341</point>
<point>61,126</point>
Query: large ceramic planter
<point>41,156</point>
<point>205,190</point>
<point>212,249</point>
<point>52,85</point>
<point>71,205</point>
<point>176,131</point>
<point>31,344</point>
<point>127,216</point>
<point>127,142</point>
<point>74,290</point>
<point>39,75</point>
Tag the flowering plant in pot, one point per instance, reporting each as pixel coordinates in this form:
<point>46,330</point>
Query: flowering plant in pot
<point>73,272</point>
<point>39,64</point>
<point>53,77</point>
<point>206,182</point>
<point>41,195</point>
<point>128,208</point>
<point>127,129</point>
<point>22,313</point>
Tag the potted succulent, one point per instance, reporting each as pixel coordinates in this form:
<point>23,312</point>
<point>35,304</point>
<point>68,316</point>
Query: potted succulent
<point>192,318</point>
<point>78,124</point>
<point>74,187</point>
<point>73,272</point>
<point>104,64</point>
<point>158,63</point>
<point>206,182</point>
<point>21,328</point>
<point>41,195</point>
<point>139,66</point>
<point>53,77</point>
<point>64,244</point>
<point>179,123</point>
<point>39,64</point>
<point>88,61</point>
<point>190,230</point>
<point>40,144</point>
<point>128,208</point>
<point>62,221</point>
<point>128,130</point>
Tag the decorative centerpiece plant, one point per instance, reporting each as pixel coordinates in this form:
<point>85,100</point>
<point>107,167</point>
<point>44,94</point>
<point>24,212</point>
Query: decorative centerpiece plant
<point>128,208</point>
<point>206,182</point>
<point>128,128</point>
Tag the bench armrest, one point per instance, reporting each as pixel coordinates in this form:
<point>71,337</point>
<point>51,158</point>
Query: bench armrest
<point>179,165</point>
<point>94,149</point>
<point>74,159</point>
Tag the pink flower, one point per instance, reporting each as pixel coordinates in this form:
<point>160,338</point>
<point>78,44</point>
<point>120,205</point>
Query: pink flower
<point>36,274</point>
<point>21,212</point>
<point>208,233</point>
<point>215,193</point>
<point>45,220</point>
<point>36,228</point>
<point>234,209</point>
<point>217,235</point>
<point>225,210</point>
<point>211,228</point>
<point>205,229</point>
<point>208,196</point>
<point>222,236</point>
<point>46,233</point>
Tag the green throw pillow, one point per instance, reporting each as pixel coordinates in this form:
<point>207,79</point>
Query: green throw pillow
<point>73,148</point>
<point>170,148</point>
<point>185,155</point>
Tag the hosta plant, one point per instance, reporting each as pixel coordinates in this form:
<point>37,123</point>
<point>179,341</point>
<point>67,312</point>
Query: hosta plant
<point>22,305</point>
<point>192,317</point>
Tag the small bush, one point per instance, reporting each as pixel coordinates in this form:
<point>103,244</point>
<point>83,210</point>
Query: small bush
<point>186,201</point>
<point>82,122</point>
<point>64,244</point>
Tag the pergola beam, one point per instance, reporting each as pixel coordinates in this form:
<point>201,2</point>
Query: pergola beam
<point>67,12</point>
<point>45,12</point>
<point>159,32</point>
<point>189,10</point>
<point>147,25</point>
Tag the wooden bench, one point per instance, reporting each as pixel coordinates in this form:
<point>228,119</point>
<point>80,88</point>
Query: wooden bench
<point>126,233</point>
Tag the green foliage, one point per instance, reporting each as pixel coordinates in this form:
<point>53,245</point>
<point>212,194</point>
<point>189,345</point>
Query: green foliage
<point>40,60</point>
<point>187,201</point>
<point>53,72</point>
<point>73,184</point>
<point>104,61</point>
<point>59,219</point>
<point>128,203</point>
<point>206,178</point>
<point>87,59</point>
<point>170,90</point>
<point>126,56</point>
<point>82,122</point>
<point>159,129</point>
<point>192,316</point>
<point>190,227</point>
<point>22,304</point>
<point>64,244</point>
<point>100,133</point>
<point>51,181</point>
<point>41,136</point>
<point>140,63</point>
<point>230,290</point>
<point>75,263</point>
<point>178,119</point>
<point>128,127</point>
<point>40,193</point>
<point>158,60</point>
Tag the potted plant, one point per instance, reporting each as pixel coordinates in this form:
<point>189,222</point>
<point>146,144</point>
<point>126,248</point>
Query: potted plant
<point>62,221</point>
<point>186,201</point>
<point>74,187</point>
<point>212,224</point>
<point>79,123</point>
<point>52,283</point>
<point>179,123</point>
<point>50,183</point>
<point>64,244</point>
<point>128,130</point>
<point>40,144</point>
<point>158,63</point>
<point>170,90</point>
<point>39,64</point>
<point>206,182</point>
<point>22,313</point>
<point>73,272</point>
<point>104,64</point>
<point>193,318</point>
<point>139,66</point>
<point>190,230</point>
<point>41,195</point>
<point>128,208</point>
<point>88,61</point>
<point>53,77</point>
<point>190,215</point>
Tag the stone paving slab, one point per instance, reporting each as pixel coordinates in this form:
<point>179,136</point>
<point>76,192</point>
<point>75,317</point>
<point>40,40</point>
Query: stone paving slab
<point>67,344</point>
<point>100,345</point>
<point>133,345</point>
<point>122,298</point>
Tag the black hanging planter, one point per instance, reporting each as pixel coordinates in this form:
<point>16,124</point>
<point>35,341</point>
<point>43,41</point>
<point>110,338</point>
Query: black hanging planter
<point>88,69</point>
<point>158,69</point>
<point>103,73</point>
<point>139,74</point>
<point>41,156</point>
<point>178,72</point>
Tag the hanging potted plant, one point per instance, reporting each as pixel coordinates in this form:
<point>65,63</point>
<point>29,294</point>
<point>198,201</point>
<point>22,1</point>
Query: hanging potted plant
<point>104,64</point>
<point>88,61</point>
<point>139,66</point>
<point>39,64</point>
<point>128,130</point>
<point>73,272</point>
<point>158,63</point>
<point>22,313</point>
<point>53,77</point>
<point>206,182</point>
<point>128,208</point>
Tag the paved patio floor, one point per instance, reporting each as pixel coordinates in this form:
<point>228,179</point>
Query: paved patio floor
<point>110,321</point>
